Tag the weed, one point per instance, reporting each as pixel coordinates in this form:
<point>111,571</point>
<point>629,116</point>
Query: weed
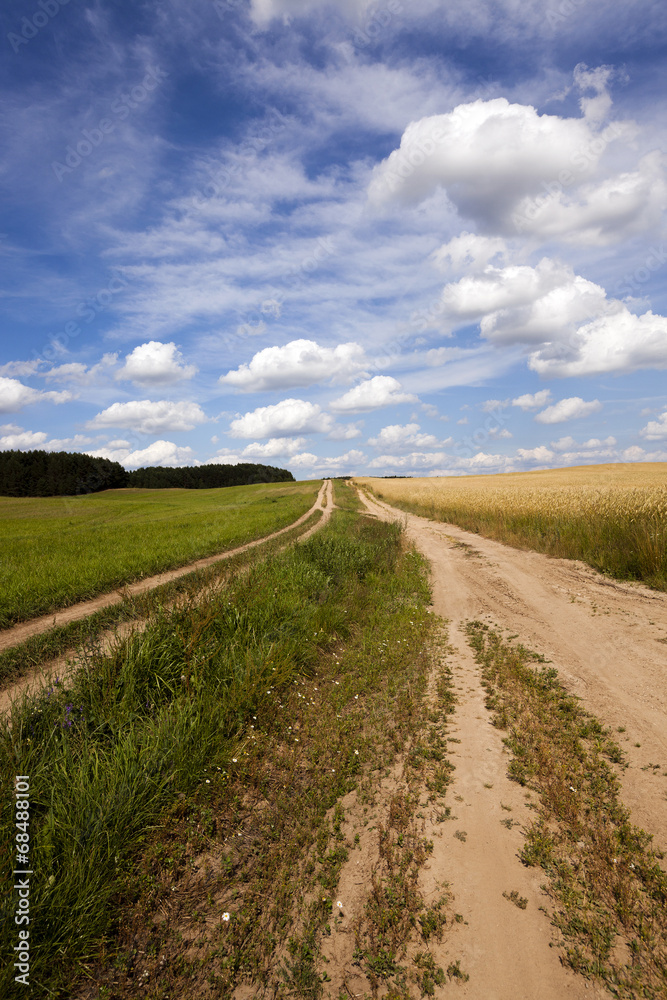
<point>515,898</point>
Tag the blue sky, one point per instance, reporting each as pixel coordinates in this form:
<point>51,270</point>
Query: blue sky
<point>392,238</point>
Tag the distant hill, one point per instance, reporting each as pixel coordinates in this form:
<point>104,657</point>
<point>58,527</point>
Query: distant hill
<point>62,473</point>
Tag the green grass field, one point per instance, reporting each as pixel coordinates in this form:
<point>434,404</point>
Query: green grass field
<point>132,759</point>
<point>60,550</point>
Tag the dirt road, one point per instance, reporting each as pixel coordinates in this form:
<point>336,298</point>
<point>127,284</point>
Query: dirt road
<point>64,665</point>
<point>608,641</point>
<point>24,630</point>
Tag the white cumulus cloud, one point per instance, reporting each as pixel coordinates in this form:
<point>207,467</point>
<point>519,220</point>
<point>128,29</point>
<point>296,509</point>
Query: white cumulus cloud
<point>469,252</point>
<point>14,395</point>
<point>299,363</point>
<point>617,341</point>
<point>533,401</point>
<point>572,408</point>
<point>655,430</point>
<point>404,436</point>
<point>164,453</point>
<point>539,454</point>
<point>15,438</point>
<point>78,373</point>
<point>155,363</point>
<point>382,390</point>
<point>520,304</point>
<point>149,417</point>
<point>273,447</point>
<point>283,419</point>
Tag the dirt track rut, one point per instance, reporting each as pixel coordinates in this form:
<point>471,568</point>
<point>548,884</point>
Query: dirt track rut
<point>608,642</point>
<point>24,630</point>
<point>63,664</point>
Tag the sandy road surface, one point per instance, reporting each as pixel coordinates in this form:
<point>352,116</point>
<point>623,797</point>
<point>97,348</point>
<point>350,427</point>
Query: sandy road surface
<point>63,665</point>
<point>607,641</point>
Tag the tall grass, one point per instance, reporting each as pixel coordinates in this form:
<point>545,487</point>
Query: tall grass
<point>165,714</point>
<point>614,519</point>
<point>56,551</point>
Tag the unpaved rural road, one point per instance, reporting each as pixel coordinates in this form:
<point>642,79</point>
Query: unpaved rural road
<point>41,675</point>
<point>608,641</point>
<point>75,612</point>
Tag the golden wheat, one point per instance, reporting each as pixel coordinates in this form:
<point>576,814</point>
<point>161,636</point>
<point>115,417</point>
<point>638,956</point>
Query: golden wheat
<point>612,516</point>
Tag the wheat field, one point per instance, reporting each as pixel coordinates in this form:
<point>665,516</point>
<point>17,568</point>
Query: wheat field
<point>614,517</point>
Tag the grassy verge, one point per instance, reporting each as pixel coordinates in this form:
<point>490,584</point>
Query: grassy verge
<point>608,889</point>
<point>193,773</point>
<point>75,637</point>
<point>394,934</point>
<point>57,551</point>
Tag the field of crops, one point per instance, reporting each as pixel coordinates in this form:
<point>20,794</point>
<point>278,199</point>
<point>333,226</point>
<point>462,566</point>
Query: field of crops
<point>59,550</point>
<point>614,517</point>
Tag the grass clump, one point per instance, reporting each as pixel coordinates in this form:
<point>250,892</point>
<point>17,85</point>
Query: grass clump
<point>192,774</point>
<point>609,891</point>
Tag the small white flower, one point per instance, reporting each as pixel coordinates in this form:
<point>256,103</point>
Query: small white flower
<point>572,789</point>
<point>234,760</point>
<point>356,752</point>
<point>208,782</point>
<point>339,905</point>
<point>225,917</point>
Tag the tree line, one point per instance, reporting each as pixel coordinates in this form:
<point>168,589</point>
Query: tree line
<point>62,473</point>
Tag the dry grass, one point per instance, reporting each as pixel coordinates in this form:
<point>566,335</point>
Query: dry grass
<point>613,517</point>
